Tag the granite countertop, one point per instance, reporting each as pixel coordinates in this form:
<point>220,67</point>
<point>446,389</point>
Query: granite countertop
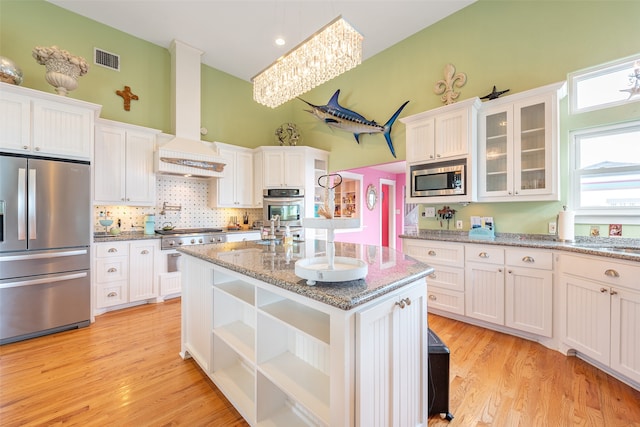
<point>139,235</point>
<point>600,246</point>
<point>388,269</point>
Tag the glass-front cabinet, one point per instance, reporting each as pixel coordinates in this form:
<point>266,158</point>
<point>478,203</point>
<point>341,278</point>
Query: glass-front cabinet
<point>518,146</point>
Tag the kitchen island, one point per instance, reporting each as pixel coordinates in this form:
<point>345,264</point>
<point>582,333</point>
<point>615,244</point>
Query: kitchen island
<point>286,353</point>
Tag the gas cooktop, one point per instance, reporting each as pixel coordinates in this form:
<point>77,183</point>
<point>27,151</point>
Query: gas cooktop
<point>188,231</point>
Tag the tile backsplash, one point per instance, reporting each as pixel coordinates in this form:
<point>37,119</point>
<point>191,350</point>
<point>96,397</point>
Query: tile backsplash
<point>192,195</point>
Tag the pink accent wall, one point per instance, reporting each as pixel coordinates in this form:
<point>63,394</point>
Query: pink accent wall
<point>370,233</point>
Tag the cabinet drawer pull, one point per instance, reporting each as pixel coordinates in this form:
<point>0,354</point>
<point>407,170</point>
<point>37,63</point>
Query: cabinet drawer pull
<point>528,259</point>
<point>603,290</point>
<point>431,253</point>
<point>112,270</point>
<point>612,292</point>
<point>144,252</point>
<point>611,273</point>
<point>433,297</point>
<point>112,250</point>
<point>483,255</point>
<point>433,276</point>
<point>112,294</point>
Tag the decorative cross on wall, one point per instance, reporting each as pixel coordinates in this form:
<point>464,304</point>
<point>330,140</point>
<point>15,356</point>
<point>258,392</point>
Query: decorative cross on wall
<point>127,96</point>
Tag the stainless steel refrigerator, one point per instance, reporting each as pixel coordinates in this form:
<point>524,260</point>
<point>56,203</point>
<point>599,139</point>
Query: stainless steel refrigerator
<point>45,231</point>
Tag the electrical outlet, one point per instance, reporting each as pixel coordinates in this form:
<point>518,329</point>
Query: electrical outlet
<point>429,213</point>
<point>459,224</point>
<point>552,228</point>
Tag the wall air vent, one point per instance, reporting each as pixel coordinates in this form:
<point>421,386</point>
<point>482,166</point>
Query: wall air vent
<point>106,59</point>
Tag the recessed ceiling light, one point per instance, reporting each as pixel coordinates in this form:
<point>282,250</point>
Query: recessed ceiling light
<point>280,41</point>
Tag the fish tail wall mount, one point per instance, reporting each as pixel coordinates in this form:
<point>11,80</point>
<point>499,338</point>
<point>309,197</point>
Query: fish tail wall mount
<point>336,116</point>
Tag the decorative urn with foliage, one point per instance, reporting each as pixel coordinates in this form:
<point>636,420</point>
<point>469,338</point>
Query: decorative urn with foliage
<point>63,68</point>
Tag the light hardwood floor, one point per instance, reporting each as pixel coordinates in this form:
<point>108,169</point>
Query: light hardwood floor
<point>124,370</point>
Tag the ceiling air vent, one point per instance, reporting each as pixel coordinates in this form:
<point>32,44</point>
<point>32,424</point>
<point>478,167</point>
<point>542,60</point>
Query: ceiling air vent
<point>106,59</point>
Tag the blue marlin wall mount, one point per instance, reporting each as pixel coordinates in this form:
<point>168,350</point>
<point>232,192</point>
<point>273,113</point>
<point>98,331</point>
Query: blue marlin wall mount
<point>335,115</point>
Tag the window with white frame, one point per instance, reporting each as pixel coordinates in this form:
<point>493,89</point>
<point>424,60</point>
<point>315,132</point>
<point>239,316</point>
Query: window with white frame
<point>605,86</point>
<point>605,170</point>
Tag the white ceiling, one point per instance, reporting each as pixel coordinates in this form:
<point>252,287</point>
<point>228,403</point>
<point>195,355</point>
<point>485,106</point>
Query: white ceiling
<point>237,36</point>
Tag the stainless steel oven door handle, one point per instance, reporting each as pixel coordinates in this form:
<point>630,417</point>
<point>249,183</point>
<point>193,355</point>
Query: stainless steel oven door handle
<point>32,205</point>
<point>42,281</point>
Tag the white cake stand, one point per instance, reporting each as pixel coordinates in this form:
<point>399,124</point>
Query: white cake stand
<point>330,268</point>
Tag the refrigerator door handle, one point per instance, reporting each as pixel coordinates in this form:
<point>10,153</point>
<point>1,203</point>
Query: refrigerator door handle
<point>44,255</point>
<point>43,280</point>
<point>32,205</point>
<point>22,203</point>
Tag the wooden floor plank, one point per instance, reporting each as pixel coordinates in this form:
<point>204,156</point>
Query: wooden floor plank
<point>125,370</point>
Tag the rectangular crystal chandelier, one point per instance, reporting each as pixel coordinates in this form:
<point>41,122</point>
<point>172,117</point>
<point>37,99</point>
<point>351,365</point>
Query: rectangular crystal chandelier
<point>334,49</point>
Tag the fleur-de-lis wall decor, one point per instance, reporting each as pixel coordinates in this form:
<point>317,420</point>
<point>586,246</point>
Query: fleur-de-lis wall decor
<point>445,87</point>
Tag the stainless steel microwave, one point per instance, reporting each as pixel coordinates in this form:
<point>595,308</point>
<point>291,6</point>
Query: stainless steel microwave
<point>439,179</point>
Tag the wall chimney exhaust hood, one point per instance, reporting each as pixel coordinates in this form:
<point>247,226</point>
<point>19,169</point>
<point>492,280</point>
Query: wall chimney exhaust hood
<point>185,154</point>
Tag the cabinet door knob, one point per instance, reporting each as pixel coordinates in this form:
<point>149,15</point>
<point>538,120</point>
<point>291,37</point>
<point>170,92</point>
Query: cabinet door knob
<point>528,259</point>
<point>509,271</point>
<point>112,250</point>
<point>112,270</point>
<point>144,252</point>
<point>431,253</point>
<point>603,290</point>
<point>400,303</point>
<point>407,300</point>
<point>433,276</point>
<point>483,255</point>
<point>612,292</point>
<point>25,147</point>
<point>37,148</point>
<point>433,297</point>
<point>611,273</point>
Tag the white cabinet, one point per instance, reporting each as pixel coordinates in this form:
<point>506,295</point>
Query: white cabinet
<point>601,304</point>
<point>510,287</point>
<point>284,359</point>
<point>442,133</point>
<point>125,272</point>
<point>446,283</point>
<point>391,384</point>
<point>529,291</point>
<point>518,154</point>
<point>34,122</point>
<point>484,283</point>
<point>283,167</point>
<point>142,270</point>
<point>111,273</point>
<point>123,167</point>
<point>235,188</point>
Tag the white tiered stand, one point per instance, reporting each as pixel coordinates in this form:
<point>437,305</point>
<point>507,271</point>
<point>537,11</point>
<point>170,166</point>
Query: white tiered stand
<point>330,268</point>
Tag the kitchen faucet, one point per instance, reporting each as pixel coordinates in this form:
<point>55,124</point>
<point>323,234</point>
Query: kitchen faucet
<point>274,218</point>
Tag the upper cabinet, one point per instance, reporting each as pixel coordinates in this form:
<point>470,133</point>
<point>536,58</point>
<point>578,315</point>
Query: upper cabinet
<point>123,167</point>
<point>38,123</point>
<point>235,188</point>
<point>442,133</point>
<point>282,167</point>
<point>290,167</point>
<point>518,146</point>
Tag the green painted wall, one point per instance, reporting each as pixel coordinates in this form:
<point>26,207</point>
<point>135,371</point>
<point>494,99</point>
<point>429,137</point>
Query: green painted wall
<point>516,44</point>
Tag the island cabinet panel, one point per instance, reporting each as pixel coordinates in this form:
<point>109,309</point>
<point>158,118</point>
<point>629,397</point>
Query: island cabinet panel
<point>283,359</point>
<point>391,360</point>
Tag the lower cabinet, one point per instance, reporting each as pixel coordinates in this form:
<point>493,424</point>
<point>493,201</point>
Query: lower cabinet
<point>283,359</point>
<point>600,302</point>
<point>391,354</point>
<point>125,272</point>
<point>445,286</point>
<point>484,283</point>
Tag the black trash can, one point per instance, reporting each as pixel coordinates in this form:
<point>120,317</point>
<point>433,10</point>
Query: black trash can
<point>438,377</point>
